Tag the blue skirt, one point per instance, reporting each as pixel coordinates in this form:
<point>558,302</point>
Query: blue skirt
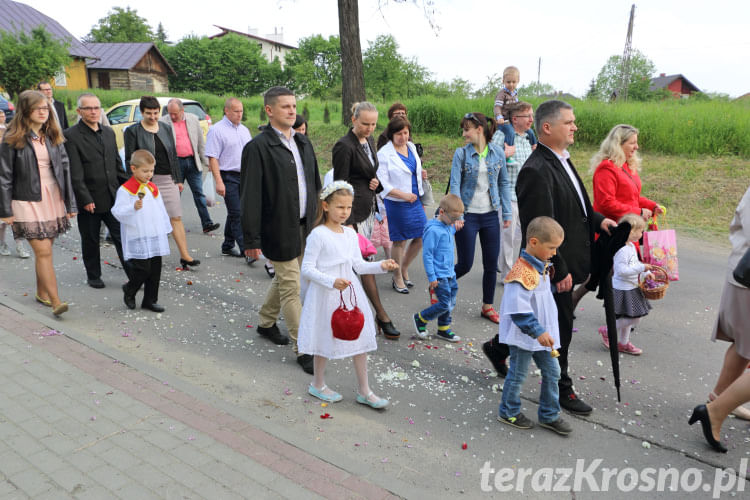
<point>405,220</point>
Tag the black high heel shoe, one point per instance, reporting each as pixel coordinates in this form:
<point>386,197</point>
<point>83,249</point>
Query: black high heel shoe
<point>389,331</point>
<point>700,412</point>
<point>186,263</point>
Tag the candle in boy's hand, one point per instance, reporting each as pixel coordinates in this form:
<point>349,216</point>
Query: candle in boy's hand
<point>554,353</point>
<point>141,194</point>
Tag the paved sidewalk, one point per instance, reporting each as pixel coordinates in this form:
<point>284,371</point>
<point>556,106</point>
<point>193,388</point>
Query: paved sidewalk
<point>76,423</point>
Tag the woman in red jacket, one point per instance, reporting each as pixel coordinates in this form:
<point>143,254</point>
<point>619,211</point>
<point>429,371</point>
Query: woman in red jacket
<point>617,187</point>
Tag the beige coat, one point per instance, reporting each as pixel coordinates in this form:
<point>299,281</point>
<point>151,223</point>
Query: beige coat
<point>196,138</point>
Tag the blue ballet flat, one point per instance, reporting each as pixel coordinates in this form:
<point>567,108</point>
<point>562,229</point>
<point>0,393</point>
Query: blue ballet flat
<point>380,403</point>
<point>319,393</point>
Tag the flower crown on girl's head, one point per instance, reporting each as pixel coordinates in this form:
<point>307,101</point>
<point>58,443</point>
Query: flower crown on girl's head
<point>335,186</point>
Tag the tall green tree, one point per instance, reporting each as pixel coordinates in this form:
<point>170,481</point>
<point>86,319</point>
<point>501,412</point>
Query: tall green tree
<point>27,59</point>
<point>388,75</point>
<point>161,34</point>
<point>228,65</point>
<point>315,67</point>
<point>121,25</point>
<point>607,83</point>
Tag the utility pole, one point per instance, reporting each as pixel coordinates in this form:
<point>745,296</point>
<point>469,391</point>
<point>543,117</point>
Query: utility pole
<point>625,76</point>
<point>539,72</point>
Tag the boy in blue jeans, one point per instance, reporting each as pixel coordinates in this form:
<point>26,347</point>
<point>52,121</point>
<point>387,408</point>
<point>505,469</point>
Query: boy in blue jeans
<point>528,325</point>
<point>437,255</point>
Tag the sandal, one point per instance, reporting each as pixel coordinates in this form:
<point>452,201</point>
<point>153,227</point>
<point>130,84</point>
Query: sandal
<point>320,394</point>
<point>42,301</point>
<point>380,403</point>
<point>491,314</point>
<point>60,308</point>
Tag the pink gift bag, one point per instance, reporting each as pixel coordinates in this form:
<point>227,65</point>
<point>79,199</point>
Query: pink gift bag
<point>660,249</point>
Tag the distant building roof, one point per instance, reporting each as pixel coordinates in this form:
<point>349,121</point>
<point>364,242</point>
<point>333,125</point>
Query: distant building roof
<point>121,55</point>
<point>18,17</point>
<point>250,35</point>
<point>663,81</point>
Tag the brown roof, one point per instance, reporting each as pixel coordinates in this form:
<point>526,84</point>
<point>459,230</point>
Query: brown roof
<point>18,17</point>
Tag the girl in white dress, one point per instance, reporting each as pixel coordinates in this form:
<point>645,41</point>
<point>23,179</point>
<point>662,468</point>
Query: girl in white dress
<point>332,256</point>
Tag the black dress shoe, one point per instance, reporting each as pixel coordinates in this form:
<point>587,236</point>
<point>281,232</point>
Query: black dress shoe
<point>408,283</point>
<point>388,329</point>
<point>232,252</point>
<point>128,299</point>
<point>157,308</point>
<point>270,270</point>
<point>572,404</point>
<point>211,227</point>
<point>95,283</point>
<point>497,356</point>
<point>700,412</point>
<point>273,334</point>
<point>186,263</point>
<point>306,362</point>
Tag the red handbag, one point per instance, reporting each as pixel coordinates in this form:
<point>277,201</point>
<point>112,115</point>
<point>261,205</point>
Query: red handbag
<point>347,324</point>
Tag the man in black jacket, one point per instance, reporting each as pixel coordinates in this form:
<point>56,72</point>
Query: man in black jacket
<point>96,172</point>
<point>548,184</point>
<point>57,107</point>
<point>278,190</point>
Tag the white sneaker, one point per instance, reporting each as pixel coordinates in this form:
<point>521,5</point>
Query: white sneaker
<point>21,251</point>
<point>4,250</point>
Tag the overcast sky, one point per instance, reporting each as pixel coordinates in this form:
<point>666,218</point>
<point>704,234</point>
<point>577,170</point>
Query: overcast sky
<point>707,42</point>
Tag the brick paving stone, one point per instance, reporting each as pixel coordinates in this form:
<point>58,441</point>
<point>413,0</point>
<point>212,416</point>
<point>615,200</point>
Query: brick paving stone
<point>187,475</point>
<point>177,491</point>
<point>71,479</point>
<point>6,487</point>
<point>16,495</point>
<point>220,492</point>
<point>12,463</point>
<point>149,476</point>
<point>36,427</point>
<point>109,476</point>
<point>31,482</point>
<point>49,413</point>
<point>23,441</point>
<point>135,492</point>
<point>120,458</point>
<point>46,461</point>
<point>94,493</point>
<point>83,459</point>
<point>191,455</point>
<point>53,494</point>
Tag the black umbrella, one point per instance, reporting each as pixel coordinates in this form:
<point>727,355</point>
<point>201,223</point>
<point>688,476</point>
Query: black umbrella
<point>605,249</point>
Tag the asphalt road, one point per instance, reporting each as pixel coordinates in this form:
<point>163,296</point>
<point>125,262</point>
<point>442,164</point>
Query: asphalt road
<point>442,395</point>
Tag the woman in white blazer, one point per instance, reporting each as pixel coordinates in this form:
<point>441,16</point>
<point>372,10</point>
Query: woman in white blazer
<point>400,174</point>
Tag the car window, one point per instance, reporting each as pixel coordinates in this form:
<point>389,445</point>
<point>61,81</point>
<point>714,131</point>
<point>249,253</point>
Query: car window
<point>137,116</point>
<point>120,114</point>
<point>195,109</point>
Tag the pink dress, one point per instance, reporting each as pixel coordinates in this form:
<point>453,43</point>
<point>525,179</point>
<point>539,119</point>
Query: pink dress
<point>46,218</point>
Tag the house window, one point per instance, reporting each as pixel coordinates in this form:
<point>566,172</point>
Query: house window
<point>60,79</point>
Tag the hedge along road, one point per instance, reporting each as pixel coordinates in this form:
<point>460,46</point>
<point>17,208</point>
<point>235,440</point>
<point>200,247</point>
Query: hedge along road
<point>441,395</point>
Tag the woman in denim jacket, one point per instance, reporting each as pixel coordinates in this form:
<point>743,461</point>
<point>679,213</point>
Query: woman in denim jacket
<point>479,177</point>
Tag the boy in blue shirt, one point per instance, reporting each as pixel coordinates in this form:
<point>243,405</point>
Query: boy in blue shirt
<point>437,255</point>
<point>528,325</point>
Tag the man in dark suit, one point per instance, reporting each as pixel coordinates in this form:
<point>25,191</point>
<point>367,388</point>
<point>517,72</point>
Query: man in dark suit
<point>96,172</point>
<point>279,193</point>
<point>58,107</point>
<point>548,184</point>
